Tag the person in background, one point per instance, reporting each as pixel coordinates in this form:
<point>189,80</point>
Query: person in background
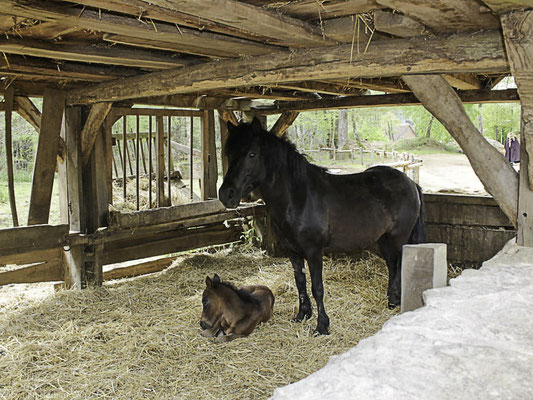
<point>512,148</point>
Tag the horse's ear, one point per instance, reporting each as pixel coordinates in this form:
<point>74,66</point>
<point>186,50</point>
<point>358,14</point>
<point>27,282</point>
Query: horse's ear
<point>230,126</point>
<point>256,125</point>
<point>216,279</point>
<point>208,282</point>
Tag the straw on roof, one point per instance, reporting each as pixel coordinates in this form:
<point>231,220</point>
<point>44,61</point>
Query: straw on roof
<point>140,338</point>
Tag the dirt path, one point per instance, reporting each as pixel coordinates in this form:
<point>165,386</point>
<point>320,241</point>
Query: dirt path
<point>449,173</point>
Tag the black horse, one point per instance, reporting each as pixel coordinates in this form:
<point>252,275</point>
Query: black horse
<point>314,211</point>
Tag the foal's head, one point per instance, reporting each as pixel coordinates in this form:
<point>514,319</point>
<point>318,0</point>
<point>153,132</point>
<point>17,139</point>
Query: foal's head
<point>246,161</point>
<point>212,303</point>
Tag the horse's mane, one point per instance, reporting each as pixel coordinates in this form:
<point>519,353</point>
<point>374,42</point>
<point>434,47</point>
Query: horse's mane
<point>243,294</point>
<point>280,153</point>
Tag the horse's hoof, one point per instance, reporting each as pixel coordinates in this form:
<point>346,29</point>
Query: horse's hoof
<point>302,316</point>
<point>321,331</point>
<point>392,306</point>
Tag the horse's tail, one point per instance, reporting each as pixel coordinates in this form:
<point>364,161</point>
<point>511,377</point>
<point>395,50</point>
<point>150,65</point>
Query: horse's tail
<point>418,234</point>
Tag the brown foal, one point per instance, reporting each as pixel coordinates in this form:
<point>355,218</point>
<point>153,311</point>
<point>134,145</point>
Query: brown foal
<point>229,313</point>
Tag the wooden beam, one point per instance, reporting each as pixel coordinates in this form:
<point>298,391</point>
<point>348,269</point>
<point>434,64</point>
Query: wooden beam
<point>195,101</point>
<point>195,239</point>
<point>9,100</point>
<point>192,41</point>
<point>498,177</point>
<point>503,6</point>
<point>403,26</point>
<point>148,267</point>
<point>92,127</point>
<point>163,112</point>
<point>518,32</point>
<point>45,159</point>
<point>209,156</point>
<point>388,100</point>
<point>261,22</point>
<point>12,63</point>
<point>23,239</point>
<point>160,162</point>
<point>322,87</point>
<point>72,210</point>
<point>446,15</point>
<point>480,52</point>
<point>397,24</point>
<point>389,85</point>
<point>312,9</point>
<point>347,30</point>
<point>40,31</point>
<point>284,122</point>
<point>263,92</point>
<point>464,81</point>
<point>138,219</point>
<point>45,272</point>
<point>29,111</point>
<point>114,55</point>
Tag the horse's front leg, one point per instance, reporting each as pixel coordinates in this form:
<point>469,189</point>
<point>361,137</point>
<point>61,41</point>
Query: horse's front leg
<point>317,287</point>
<point>305,309</point>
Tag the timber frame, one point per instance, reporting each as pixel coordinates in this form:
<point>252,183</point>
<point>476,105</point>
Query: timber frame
<point>92,60</point>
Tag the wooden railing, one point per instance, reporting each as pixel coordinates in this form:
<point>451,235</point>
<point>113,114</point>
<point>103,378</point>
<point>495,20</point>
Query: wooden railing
<point>41,253</point>
<point>407,162</point>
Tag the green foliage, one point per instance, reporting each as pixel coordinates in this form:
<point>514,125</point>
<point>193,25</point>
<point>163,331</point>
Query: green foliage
<point>315,129</point>
<point>3,193</point>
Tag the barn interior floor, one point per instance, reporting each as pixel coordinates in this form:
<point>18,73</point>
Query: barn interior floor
<point>472,340</point>
<point>140,337</point>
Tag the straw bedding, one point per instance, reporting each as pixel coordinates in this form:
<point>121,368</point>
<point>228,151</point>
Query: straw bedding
<point>140,338</point>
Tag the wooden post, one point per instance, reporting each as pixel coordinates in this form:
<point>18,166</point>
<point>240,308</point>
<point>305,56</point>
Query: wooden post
<point>160,163</point>
<point>285,120</point>
<point>150,161</point>
<point>137,163</point>
<point>71,195</point>
<point>123,160</point>
<point>209,156</point>
<point>191,156</point>
<point>498,177</point>
<point>223,136</point>
<point>45,159</point>
<point>96,207</point>
<point>518,33</point>
<point>424,267</point>
<point>110,159</point>
<point>9,96</point>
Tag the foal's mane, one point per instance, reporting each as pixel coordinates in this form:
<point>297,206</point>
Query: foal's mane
<point>243,294</point>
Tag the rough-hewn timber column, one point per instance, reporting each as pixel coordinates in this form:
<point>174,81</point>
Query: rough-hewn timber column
<point>459,53</point>
<point>9,99</point>
<point>71,196</point>
<point>209,156</point>
<point>498,177</point>
<point>518,33</point>
<point>45,159</point>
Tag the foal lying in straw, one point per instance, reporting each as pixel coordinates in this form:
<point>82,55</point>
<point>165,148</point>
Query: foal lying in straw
<point>229,313</point>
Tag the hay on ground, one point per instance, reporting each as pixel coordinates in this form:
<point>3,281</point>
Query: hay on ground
<point>140,338</point>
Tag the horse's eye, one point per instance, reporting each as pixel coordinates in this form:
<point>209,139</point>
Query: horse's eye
<point>205,303</point>
<point>251,155</point>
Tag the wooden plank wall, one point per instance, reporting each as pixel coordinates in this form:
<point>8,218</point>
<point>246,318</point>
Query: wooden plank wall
<point>473,227</point>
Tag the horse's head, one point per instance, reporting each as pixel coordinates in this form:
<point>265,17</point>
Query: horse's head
<point>211,307</point>
<point>246,168</point>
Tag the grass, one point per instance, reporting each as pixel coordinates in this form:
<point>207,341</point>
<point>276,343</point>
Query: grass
<point>22,197</point>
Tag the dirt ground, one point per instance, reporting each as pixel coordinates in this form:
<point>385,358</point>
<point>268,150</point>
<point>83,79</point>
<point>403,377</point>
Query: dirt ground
<point>449,173</point>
